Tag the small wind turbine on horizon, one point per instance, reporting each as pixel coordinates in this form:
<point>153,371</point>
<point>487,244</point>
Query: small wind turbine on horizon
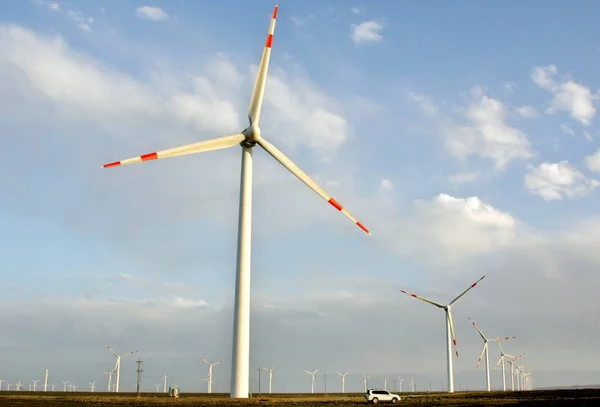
<point>271,375</point>
<point>118,364</point>
<point>343,376</point>
<point>412,384</point>
<point>65,385</point>
<point>450,335</point>
<point>247,139</point>
<point>165,382</point>
<point>209,377</point>
<point>312,381</point>
<point>46,375</point>
<point>366,380</point>
<point>92,386</point>
<point>19,385</point>
<point>384,382</point>
<point>400,382</point>
<point>485,349</point>
<point>34,383</point>
<point>512,369</point>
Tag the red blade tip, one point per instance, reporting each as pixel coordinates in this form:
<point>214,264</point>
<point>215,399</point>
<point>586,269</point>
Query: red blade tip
<point>115,164</point>
<point>275,12</point>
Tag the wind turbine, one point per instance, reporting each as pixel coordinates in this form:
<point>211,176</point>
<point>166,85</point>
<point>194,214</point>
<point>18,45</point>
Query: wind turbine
<point>450,336</point>
<point>400,381</point>
<point>7,386</point>
<point>110,374</point>
<point>209,378</point>
<point>92,386</point>
<point>65,385</point>
<point>46,375</point>
<point>366,380</point>
<point>271,375</point>
<point>412,384</point>
<point>312,382</point>
<point>118,364</point>
<point>165,382</point>
<point>52,387</point>
<point>34,383</point>
<point>157,387</point>
<point>485,349</point>
<point>384,383</point>
<point>501,359</point>
<point>19,385</point>
<point>247,139</point>
<point>343,376</point>
<point>2,381</point>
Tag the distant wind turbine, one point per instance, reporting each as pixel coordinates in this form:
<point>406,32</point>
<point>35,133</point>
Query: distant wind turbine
<point>312,382</point>
<point>34,383</point>
<point>46,375</point>
<point>450,336</point>
<point>501,359</point>
<point>400,381</point>
<point>210,367</point>
<point>65,383</point>
<point>366,380</point>
<point>271,375</point>
<point>92,386</point>
<point>343,376</point>
<point>118,364</point>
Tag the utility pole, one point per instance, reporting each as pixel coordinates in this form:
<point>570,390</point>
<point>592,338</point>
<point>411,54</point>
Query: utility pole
<point>139,376</point>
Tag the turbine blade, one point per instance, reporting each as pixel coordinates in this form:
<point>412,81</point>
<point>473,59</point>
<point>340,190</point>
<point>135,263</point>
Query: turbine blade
<point>261,77</point>
<point>110,349</point>
<point>201,147</point>
<point>499,360</point>
<point>466,291</point>
<point>293,168</point>
<point>449,313</point>
<point>481,356</point>
<point>437,304</point>
<point>478,330</point>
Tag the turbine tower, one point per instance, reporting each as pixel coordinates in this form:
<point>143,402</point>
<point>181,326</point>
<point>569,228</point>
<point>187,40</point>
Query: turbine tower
<point>384,383</point>
<point>312,382</point>
<point>209,377</point>
<point>118,364</point>
<point>165,382</point>
<point>46,375</point>
<point>366,380</point>
<point>450,336</point>
<point>400,381</point>
<point>247,139</point>
<point>412,384</point>
<point>485,349</point>
<point>34,383</point>
<point>270,375</point>
<point>343,376</point>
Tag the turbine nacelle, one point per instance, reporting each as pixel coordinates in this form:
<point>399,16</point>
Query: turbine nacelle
<point>252,135</point>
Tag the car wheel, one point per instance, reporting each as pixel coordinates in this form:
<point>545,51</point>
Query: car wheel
<point>375,400</point>
<point>395,400</point>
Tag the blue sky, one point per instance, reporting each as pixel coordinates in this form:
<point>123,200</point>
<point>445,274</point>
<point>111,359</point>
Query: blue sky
<point>463,134</point>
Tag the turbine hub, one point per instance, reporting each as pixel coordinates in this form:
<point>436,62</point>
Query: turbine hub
<point>252,134</point>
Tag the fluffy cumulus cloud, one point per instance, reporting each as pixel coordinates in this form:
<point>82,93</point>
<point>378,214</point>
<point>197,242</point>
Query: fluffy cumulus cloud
<point>592,162</point>
<point>367,32</point>
<point>555,181</point>
<point>527,112</point>
<point>486,133</point>
<point>151,13</point>
<point>569,96</point>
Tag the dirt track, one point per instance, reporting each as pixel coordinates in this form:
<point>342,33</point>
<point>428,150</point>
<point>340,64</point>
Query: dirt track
<point>586,397</point>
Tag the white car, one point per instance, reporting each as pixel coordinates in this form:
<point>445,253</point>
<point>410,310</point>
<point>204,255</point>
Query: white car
<point>376,395</point>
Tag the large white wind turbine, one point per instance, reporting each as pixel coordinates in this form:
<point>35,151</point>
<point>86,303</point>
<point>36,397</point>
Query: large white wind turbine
<point>312,381</point>
<point>46,375</point>
<point>247,139</point>
<point>486,350</point>
<point>118,364</point>
<point>512,368</point>
<point>343,376</point>
<point>450,336</point>
<point>209,377</point>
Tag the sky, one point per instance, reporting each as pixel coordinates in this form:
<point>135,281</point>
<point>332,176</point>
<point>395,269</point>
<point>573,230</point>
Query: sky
<point>463,134</point>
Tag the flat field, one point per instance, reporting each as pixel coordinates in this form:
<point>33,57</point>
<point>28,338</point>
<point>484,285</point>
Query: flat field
<point>583,397</point>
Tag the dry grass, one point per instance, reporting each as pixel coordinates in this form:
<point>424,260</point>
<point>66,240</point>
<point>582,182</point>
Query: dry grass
<point>585,397</point>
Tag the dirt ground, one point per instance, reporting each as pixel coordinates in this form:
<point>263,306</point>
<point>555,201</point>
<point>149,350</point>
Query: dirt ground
<point>583,397</point>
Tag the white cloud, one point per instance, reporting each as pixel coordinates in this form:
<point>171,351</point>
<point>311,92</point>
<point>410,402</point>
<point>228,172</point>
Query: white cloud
<point>151,13</point>
<point>555,181</point>
<point>487,134</point>
<point>297,21</point>
<point>366,32</point>
<point>461,178</point>
<point>570,96</point>
<point>588,136</point>
<point>567,130</point>
<point>592,162</point>
<point>387,185</point>
<point>527,112</point>
<point>355,10</point>
<point>424,103</point>
<point>509,86</point>
<point>81,21</point>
